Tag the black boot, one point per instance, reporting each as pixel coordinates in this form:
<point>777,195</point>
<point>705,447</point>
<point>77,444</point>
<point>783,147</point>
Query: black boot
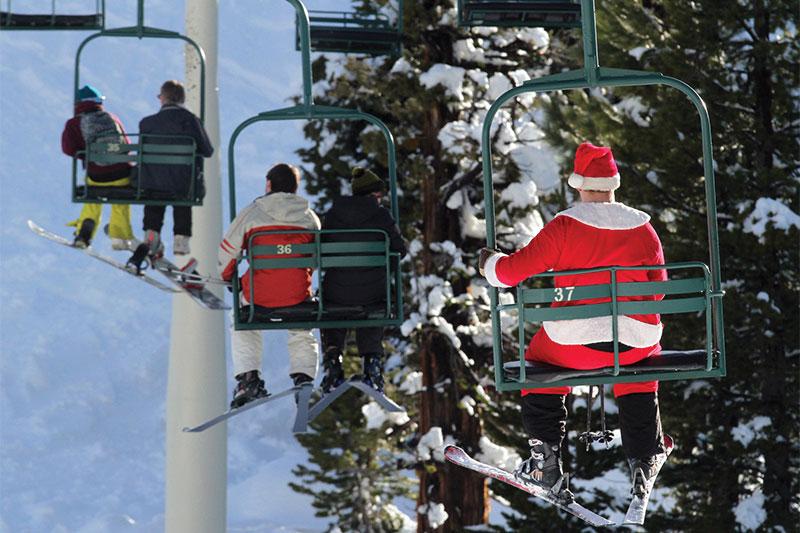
<point>543,468</point>
<point>84,236</point>
<point>249,387</point>
<point>332,368</point>
<point>373,371</point>
<point>644,471</point>
<point>300,378</point>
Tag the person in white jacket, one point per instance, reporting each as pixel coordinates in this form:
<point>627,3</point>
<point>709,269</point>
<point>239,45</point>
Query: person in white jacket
<point>280,209</point>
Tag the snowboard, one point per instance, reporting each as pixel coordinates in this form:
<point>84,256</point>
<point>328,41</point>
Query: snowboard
<point>638,506</point>
<point>302,392</point>
<point>457,456</point>
<point>107,260</point>
<point>190,282</point>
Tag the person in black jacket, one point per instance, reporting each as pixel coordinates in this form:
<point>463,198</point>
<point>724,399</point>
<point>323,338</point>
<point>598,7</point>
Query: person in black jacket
<point>362,285</point>
<point>172,119</point>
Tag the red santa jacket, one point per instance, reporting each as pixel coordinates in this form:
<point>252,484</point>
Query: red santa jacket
<point>92,121</point>
<point>585,236</point>
<point>276,211</point>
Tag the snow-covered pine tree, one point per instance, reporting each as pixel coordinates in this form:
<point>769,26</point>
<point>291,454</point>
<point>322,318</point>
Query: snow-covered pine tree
<point>434,99</point>
<point>736,466</point>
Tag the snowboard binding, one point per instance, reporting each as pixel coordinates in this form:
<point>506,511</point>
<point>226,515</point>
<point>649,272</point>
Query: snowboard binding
<point>140,260</point>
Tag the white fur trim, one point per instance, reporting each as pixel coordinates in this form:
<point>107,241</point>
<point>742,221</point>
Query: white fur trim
<point>490,270</point>
<point>607,215</point>
<point>576,181</point>
<point>590,330</point>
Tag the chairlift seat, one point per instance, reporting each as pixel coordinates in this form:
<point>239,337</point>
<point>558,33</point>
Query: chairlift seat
<point>308,310</point>
<point>526,13</point>
<point>346,32</point>
<point>666,361</point>
<point>24,21</point>
<point>107,194</point>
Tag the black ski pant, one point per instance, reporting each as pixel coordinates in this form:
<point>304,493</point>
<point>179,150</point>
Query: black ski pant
<point>368,340</point>
<point>544,417</point>
<point>181,218</point>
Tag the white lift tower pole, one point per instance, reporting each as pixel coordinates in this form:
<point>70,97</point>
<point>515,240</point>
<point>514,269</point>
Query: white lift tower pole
<point>196,470</point>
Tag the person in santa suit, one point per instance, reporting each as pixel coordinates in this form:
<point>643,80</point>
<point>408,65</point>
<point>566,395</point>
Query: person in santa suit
<point>596,232</point>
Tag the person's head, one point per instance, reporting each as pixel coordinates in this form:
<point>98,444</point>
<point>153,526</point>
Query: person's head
<point>364,182</point>
<point>283,178</point>
<point>172,92</point>
<point>595,174</point>
<point>88,93</point>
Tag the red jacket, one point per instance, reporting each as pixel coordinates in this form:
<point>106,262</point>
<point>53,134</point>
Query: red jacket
<point>90,118</point>
<point>585,236</point>
<point>276,211</point>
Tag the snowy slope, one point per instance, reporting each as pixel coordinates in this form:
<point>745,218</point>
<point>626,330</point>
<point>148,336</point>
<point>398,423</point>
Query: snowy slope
<point>83,349</point>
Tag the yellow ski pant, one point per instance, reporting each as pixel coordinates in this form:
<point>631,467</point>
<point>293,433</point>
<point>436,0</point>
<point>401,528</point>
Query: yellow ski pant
<point>120,225</point>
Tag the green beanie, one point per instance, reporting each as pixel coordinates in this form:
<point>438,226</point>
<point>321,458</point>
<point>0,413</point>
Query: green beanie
<point>365,182</point>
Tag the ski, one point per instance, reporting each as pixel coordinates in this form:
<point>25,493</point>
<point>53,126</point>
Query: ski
<point>457,456</point>
<point>303,391</point>
<point>354,383</point>
<point>107,260</point>
<point>187,280</point>
<point>638,506</point>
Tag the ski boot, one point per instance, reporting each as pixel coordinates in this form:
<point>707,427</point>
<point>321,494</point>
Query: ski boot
<point>84,236</point>
<point>249,387</point>
<point>644,471</point>
<point>543,468</point>
<point>147,252</point>
<point>373,371</point>
<point>333,372</point>
<point>299,380</point>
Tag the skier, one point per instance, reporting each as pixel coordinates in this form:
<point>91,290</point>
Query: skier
<point>358,286</point>
<point>92,123</point>
<point>280,209</point>
<point>598,231</point>
<point>172,119</point>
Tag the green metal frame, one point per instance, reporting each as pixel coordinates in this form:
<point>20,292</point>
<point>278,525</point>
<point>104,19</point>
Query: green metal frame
<point>353,33</point>
<point>520,13</point>
<point>53,21</point>
<point>591,76</point>
<point>140,31</point>
<point>151,150</point>
<point>320,256</point>
<point>309,111</point>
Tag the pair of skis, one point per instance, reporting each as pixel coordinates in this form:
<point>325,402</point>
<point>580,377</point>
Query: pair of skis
<point>636,510</point>
<point>305,412</point>
<point>181,280</point>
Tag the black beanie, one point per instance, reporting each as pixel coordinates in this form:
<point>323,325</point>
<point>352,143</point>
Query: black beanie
<point>365,182</point>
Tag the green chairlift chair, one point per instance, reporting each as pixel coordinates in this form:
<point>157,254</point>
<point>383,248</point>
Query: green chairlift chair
<point>520,13</point>
<point>147,149</point>
<point>319,254</point>
<point>697,292</point>
<point>55,20</point>
<point>354,33</point>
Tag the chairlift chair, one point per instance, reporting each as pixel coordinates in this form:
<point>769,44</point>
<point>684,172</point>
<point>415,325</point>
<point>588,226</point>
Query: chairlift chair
<point>520,13</point>
<point>698,292</point>
<point>55,20</point>
<point>353,33</point>
<point>149,149</point>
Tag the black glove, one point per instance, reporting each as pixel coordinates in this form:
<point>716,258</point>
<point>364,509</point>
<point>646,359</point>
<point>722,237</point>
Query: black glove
<point>485,254</point>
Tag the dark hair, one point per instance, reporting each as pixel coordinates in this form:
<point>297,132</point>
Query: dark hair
<point>283,178</point>
<point>173,92</point>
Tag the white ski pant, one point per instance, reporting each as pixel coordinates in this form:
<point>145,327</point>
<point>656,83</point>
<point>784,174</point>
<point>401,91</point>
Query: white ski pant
<point>247,347</point>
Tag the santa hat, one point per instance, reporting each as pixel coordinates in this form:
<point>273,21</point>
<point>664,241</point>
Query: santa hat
<point>595,169</point>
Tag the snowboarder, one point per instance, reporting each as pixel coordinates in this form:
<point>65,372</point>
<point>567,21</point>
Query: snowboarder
<point>358,286</point>
<point>280,209</point>
<point>172,119</point>
<point>598,231</point>
<point>92,123</point>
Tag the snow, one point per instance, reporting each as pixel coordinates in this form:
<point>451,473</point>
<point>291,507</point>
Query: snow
<point>520,194</point>
<point>769,211</point>
<point>467,403</point>
<point>376,416</point>
<point>633,108</point>
<point>750,512</point>
<point>745,433</point>
<point>402,66</point>
<point>465,50</point>
<point>638,52</point>
<point>435,514</point>
<point>498,84</point>
<point>496,455</point>
<point>536,37</point>
<point>448,76</point>
<point>431,445</point>
<point>412,383</point>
